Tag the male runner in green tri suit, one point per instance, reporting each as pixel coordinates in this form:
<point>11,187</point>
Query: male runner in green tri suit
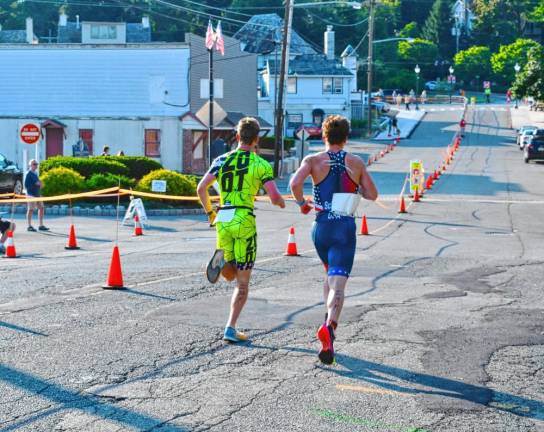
<point>240,174</point>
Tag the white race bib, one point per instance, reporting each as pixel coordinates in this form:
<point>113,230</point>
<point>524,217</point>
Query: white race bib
<point>225,215</point>
<point>345,204</point>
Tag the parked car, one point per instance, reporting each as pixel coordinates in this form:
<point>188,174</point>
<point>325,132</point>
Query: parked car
<point>313,130</point>
<point>11,177</point>
<point>431,85</point>
<point>525,137</point>
<point>520,131</point>
<point>534,150</point>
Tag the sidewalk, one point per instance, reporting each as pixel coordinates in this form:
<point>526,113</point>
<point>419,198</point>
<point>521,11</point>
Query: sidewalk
<point>407,122</point>
<point>522,116</point>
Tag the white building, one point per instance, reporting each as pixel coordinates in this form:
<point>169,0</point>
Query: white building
<point>129,97</point>
<point>318,85</point>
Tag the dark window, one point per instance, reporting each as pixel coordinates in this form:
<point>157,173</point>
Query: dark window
<point>86,135</point>
<point>291,85</point>
<point>338,86</point>
<point>153,142</point>
<point>294,120</point>
<point>327,85</point>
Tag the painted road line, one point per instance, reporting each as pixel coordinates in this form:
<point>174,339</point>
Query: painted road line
<point>365,389</point>
<point>331,415</point>
<point>488,201</point>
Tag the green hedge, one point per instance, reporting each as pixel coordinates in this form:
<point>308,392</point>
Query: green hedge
<point>60,181</point>
<point>176,184</point>
<point>85,166</point>
<point>105,181</point>
<point>138,166</point>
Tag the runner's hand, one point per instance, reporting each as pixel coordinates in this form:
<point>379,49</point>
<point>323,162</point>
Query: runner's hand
<point>306,207</point>
<point>211,217</point>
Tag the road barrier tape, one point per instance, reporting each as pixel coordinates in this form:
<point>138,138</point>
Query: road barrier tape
<point>65,197</point>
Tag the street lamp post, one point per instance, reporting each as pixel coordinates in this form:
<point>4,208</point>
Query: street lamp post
<point>517,68</point>
<point>451,80</point>
<point>417,70</point>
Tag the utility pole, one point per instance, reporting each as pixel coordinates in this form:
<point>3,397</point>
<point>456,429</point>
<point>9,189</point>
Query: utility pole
<point>284,69</point>
<point>369,72</point>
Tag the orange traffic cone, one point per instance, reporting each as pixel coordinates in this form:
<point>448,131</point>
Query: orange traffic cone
<point>416,195</point>
<point>435,175</point>
<point>402,208</point>
<point>138,231</point>
<point>115,275</point>
<point>364,227</point>
<point>10,247</point>
<point>72,242</point>
<point>291,244</point>
<point>370,160</point>
<point>429,184</point>
<point>382,153</point>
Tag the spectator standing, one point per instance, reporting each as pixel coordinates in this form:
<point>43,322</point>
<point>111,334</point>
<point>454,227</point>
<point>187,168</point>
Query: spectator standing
<point>508,96</point>
<point>424,97</point>
<point>399,100</point>
<point>105,151</point>
<point>407,102</point>
<point>33,187</point>
<point>120,153</point>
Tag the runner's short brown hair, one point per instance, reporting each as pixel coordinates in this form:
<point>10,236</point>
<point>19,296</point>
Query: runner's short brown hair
<point>248,128</point>
<point>335,129</point>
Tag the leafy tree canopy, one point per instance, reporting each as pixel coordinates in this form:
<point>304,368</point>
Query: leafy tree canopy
<point>419,51</point>
<point>503,61</point>
<point>410,30</point>
<point>530,81</point>
<point>472,62</point>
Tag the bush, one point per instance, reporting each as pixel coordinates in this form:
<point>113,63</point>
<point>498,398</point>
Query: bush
<point>138,166</point>
<point>85,166</point>
<point>176,184</point>
<point>60,181</point>
<point>105,181</point>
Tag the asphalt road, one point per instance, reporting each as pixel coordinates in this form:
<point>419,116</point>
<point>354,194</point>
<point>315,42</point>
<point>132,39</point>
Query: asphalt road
<point>442,328</point>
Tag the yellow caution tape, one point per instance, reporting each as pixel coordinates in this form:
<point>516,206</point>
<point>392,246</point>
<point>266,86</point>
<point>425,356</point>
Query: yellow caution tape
<point>161,196</point>
<point>65,197</point>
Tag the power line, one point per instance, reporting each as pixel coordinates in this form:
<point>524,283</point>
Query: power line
<point>335,23</point>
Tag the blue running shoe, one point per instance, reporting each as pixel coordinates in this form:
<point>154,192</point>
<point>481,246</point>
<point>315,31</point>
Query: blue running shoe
<point>233,335</point>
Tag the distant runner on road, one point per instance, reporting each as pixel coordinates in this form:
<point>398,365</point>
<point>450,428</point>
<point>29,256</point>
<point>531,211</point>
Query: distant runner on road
<point>240,174</point>
<point>339,178</point>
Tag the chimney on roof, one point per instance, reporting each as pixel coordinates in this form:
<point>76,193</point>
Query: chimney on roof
<point>145,22</point>
<point>328,44</point>
<point>77,21</point>
<point>29,30</point>
<point>63,20</point>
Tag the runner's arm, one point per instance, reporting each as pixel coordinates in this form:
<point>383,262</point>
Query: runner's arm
<point>297,184</point>
<point>272,190</point>
<point>202,191</point>
<point>368,188</point>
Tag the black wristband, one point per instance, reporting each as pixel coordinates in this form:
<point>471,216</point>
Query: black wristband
<point>209,213</point>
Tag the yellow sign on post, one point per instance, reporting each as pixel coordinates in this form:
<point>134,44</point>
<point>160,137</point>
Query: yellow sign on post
<point>417,176</point>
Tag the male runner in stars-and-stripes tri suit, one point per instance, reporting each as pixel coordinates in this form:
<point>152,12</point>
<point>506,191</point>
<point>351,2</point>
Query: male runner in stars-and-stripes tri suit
<point>338,179</point>
<point>240,174</point>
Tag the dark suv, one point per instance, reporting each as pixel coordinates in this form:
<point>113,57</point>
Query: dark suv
<point>534,150</point>
<point>11,177</point>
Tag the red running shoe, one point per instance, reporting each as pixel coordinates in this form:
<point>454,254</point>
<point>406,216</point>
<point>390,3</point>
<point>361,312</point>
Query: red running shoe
<point>325,334</point>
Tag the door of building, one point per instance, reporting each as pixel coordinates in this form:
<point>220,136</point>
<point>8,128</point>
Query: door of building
<point>54,141</point>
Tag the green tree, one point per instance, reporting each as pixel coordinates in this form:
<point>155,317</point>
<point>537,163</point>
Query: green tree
<point>500,22</point>
<point>410,30</point>
<point>472,62</point>
<point>437,27</point>
<point>418,51</point>
<point>503,61</point>
<point>530,81</point>
<point>537,15</point>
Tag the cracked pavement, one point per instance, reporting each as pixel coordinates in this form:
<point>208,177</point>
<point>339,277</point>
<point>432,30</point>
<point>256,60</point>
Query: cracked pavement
<point>442,328</point>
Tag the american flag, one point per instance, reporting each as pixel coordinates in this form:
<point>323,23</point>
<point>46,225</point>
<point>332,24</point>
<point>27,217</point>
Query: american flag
<point>209,36</point>
<point>219,41</point>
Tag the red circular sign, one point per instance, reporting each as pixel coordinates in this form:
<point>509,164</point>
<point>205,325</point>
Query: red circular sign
<point>30,133</point>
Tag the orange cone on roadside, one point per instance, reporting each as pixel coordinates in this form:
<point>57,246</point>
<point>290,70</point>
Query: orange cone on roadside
<point>72,242</point>
<point>402,208</point>
<point>369,162</point>
<point>291,244</point>
<point>429,183</point>
<point>435,175</point>
<point>138,231</point>
<point>364,227</point>
<point>382,153</point>
<point>115,275</point>
<point>416,195</point>
<point>10,247</point>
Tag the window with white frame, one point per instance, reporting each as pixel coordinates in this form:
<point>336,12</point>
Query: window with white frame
<point>327,85</point>
<point>333,85</point>
<point>103,32</point>
<point>291,85</point>
<point>337,85</point>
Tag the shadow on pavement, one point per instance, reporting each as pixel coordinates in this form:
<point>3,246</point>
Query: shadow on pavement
<point>21,329</point>
<point>72,399</point>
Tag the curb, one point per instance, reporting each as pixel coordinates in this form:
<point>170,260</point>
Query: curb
<point>63,210</point>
